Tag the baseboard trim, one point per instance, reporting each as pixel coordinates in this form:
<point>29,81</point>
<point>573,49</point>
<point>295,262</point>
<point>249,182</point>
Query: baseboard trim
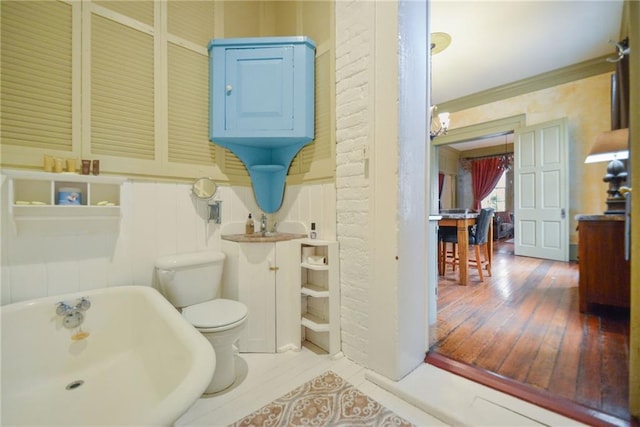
<point>559,405</point>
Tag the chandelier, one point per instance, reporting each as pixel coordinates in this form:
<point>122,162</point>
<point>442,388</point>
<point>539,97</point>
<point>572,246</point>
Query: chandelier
<point>438,124</point>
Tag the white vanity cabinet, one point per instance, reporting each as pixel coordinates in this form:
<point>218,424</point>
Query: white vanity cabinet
<point>263,277</point>
<point>319,295</point>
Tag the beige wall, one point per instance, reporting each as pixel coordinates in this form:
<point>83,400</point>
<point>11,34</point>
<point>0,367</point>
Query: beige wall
<point>586,105</point>
<point>448,165</point>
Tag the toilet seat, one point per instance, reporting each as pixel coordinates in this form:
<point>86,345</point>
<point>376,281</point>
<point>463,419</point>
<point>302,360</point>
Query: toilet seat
<point>215,315</point>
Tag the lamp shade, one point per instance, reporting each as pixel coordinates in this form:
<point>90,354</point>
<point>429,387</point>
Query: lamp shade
<point>610,145</point>
<point>444,120</point>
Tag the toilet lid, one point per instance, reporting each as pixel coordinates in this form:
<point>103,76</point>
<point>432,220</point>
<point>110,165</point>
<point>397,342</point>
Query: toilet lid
<point>215,313</point>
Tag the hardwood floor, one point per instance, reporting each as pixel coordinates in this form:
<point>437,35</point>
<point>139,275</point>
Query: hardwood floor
<point>524,324</point>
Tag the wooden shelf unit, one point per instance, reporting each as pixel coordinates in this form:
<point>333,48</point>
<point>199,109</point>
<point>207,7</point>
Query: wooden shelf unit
<point>320,297</point>
<point>33,202</point>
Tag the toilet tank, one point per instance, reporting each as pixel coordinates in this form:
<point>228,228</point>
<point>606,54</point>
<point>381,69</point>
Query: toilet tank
<point>190,278</point>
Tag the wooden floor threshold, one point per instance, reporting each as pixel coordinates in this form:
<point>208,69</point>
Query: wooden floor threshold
<point>559,405</point>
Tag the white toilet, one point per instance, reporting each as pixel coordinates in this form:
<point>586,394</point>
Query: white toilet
<point>192,282</point>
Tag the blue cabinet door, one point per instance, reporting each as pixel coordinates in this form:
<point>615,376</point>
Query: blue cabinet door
<point>262,106</point>
<point>262,91</point>
<point>259,90</point>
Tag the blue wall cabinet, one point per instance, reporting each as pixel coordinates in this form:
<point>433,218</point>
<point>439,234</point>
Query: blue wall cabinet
<point>262,106</point>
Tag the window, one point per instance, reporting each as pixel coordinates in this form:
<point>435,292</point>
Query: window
<point>497,198</point>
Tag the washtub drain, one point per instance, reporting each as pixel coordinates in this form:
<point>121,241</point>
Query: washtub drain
<point>74,384</point>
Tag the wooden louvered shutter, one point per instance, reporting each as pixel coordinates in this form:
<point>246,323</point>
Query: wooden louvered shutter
<point>190,27</point>
<point>188,107</point>
<point>320,153</point>
<point>37,88</point>
<point>321,149</point>
<point>140,10</point>
<point>122,90</point>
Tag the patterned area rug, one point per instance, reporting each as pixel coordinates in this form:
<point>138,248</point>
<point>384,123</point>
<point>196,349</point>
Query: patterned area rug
<point>327,400</point>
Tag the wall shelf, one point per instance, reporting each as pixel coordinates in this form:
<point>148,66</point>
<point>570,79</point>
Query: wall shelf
<point>315,323</point>
<point>315,291</point>
<point>34,202</point>
<point>315,267</point>
<point>320,297</point>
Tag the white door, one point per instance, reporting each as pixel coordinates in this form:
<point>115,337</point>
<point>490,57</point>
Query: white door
<point>542,191</point>
<point>257,289</point>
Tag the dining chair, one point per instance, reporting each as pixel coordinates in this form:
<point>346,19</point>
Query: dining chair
<point>478,239</point>
<point>446,235</point>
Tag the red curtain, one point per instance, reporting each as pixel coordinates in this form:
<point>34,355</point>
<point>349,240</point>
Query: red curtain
<point>485,174</point>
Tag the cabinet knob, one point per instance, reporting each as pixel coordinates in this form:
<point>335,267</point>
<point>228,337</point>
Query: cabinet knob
<point>229,88</point>
<point>274,268</point>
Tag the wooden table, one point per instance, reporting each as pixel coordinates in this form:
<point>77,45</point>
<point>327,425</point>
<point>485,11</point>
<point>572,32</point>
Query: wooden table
<point>462,222</point>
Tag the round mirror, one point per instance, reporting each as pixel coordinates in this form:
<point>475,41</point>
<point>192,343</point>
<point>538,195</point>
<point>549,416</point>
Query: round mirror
<point>204,188</point>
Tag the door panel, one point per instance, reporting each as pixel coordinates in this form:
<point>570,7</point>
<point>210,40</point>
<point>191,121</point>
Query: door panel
<point>541,197</point>
<point>262,95</point>
<point>527,190</point>
<point>257,291</point>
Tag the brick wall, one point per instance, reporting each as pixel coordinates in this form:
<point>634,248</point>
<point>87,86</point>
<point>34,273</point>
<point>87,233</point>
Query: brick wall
<point>354,22</point>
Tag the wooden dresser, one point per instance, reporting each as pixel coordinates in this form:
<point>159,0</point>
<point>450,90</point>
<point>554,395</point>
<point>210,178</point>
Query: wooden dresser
<point>604,273</point>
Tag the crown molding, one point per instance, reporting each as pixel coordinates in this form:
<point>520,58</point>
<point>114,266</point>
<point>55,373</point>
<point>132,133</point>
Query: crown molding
<point>546,80</point>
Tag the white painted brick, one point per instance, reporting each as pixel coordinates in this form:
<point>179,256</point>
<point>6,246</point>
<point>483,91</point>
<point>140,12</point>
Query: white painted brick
<point>353,37</point>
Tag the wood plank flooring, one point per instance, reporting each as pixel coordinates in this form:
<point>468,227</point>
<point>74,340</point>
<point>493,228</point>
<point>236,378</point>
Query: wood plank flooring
<point>524,324</point>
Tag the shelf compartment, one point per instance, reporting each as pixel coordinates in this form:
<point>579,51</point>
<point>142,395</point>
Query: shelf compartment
<point>104,193</point>
<point>315,323</point>
<point>32,191</point>
<point>315,291</point>
<point>82,187</point>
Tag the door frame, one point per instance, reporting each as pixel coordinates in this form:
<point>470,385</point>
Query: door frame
<point>478,131</point>
<point>462,134</point>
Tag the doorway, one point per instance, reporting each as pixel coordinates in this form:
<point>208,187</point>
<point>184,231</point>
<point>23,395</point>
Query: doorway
<point>511,287</point>
<point>541,169</point>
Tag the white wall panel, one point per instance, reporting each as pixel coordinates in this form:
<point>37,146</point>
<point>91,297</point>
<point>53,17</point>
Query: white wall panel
<point>62,259</point>
<point>157,219</point>
<point>121,266</point>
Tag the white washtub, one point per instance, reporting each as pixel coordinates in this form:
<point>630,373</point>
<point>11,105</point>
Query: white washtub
<point>141,364</point>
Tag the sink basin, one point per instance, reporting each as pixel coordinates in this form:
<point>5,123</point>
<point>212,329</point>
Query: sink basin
<point>269,236</point>
<point>135,362</point>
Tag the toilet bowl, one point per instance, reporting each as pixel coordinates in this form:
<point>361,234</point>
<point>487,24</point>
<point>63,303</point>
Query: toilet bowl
<point>220,321</point>
<point>192,283</point>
